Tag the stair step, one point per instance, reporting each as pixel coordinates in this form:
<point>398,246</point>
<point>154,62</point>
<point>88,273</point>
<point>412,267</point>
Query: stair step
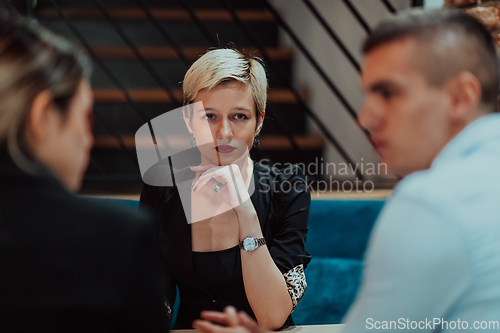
<point>133,74</point>
<point>185,33</point>
<point>241,4</point>
<point>192,53</point>
<point>281,96</point>
<point>127,14</point>
<point>266,142</point>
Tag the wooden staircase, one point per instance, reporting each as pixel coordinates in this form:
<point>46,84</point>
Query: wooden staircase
<point>112,168</point>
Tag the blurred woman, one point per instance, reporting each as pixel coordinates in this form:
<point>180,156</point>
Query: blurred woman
<point>241,239</point>
<point>68,264</point>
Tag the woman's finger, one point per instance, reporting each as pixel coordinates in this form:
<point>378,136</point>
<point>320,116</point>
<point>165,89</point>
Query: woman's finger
<point>202,168</point>
<point>207,327</point>
<point>207,176</point>
<point>203,181</point>
<point>232,179</point>
<point>245,320</point>
<point>223,171</point>
<point>228,317</point>
<point>232,319</point>
<point>215,316</point>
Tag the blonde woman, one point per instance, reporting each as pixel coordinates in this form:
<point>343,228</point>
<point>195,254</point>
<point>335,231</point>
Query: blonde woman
<point>246,247</point>
<point>68,264</point>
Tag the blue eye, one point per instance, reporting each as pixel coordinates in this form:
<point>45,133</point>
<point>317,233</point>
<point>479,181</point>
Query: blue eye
<point>209,116</point>
<point>240,116</point>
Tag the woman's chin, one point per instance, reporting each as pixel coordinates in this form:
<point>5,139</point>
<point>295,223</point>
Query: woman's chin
<point>226,158</point>
<point>233,158</point>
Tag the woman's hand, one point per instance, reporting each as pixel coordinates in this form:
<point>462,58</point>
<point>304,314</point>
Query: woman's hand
<point>234,322</point>
<point>225,182</point>
<point>232,189</point>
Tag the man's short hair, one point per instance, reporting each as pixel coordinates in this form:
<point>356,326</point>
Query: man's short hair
<point>450,42</point>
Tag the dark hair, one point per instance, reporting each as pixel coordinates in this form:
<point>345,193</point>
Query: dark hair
<point>32,60</point>
<point>450,42</point>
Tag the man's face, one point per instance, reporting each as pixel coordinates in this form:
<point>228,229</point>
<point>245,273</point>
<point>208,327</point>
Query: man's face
<point>405,116</point>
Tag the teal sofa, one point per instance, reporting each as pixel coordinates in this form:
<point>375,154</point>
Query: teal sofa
<point>337,238</point>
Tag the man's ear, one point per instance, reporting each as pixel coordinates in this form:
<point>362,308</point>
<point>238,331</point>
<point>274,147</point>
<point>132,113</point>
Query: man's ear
<point>42,117</point>
<point>465,96</point>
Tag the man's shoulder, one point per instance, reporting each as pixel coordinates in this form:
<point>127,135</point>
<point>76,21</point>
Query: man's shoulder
<point>458,193</point>
<point>454,181</point>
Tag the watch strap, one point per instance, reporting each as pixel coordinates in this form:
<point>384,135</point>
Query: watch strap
<point>260,241</point>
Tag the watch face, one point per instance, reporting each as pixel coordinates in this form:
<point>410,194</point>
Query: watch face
<point>249,244</point>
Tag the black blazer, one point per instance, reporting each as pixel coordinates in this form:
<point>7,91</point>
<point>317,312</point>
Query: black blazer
<point>70,264</point>
<point>281,200</point>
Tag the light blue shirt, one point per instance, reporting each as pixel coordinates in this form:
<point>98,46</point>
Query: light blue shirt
<point>434,253</point>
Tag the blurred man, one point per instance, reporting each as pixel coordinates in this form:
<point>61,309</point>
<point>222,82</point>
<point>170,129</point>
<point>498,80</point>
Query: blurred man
<point>433,260</point>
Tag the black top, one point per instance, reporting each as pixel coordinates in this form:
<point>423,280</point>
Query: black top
<point>283,223</point>
<point>70,264</point>
<point>216,269</point>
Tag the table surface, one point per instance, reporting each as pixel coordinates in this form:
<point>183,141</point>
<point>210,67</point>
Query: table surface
<point>294,329</point>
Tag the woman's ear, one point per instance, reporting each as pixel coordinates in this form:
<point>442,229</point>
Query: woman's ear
<point>42,117</point>
<point>260,122</point>
<point>187,119</point>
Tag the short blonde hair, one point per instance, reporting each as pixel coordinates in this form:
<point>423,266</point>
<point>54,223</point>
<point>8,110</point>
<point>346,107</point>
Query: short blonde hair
<point>222,65</point>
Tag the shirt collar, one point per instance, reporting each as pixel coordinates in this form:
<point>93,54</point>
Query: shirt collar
<point>474,135</point>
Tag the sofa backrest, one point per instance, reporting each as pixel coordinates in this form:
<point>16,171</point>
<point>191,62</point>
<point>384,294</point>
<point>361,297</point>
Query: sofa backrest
<point>341,228</point>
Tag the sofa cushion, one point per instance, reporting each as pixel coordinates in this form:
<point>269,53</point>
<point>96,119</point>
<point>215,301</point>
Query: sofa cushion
<point>332,284</point>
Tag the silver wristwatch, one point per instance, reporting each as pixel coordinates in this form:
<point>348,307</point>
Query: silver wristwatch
<point>251,243</point>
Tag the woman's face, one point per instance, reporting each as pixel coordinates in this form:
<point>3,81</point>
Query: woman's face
<point>66,148</point>
<point>229,110</point>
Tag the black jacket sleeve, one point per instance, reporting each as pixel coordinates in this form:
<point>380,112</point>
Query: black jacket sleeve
<point>291,203</point>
